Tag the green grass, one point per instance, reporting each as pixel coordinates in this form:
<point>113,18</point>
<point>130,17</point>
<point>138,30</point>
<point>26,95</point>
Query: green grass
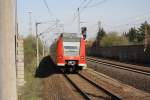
<point>33,86</point>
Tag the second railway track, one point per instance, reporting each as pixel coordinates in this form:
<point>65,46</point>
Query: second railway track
<point>133,75</point>
<point>89,89</point>
<point>133,68</point>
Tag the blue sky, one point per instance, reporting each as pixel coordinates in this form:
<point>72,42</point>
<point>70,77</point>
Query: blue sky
<point>115,15</point>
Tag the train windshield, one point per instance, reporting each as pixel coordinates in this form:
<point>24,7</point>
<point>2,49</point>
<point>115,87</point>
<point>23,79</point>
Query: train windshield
<point>71,46</point>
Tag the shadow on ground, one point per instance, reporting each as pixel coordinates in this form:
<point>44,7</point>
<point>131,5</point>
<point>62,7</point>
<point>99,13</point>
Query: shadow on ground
<point>46,68</point>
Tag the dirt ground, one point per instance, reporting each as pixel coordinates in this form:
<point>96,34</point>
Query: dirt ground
<point>54,86</point>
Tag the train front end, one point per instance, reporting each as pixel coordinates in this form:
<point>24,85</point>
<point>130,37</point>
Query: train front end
<point>71,53</point>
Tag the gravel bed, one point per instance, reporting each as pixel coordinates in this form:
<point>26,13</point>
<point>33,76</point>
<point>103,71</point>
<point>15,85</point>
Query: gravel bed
<point>93,92</point>
<point>136,80</point>
<point>117,88</point>
<point>56,89</point>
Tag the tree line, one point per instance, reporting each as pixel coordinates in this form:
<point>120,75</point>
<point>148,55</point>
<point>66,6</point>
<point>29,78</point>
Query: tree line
<point>135,35</point>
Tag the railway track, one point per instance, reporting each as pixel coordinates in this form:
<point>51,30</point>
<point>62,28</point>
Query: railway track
<point>129,67</point>
<point>88,88</point>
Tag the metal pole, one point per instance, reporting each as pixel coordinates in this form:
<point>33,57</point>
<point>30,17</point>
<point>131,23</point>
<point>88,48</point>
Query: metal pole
<point>79,20</point>
<point>8,90</point>
<point>43,49</point>
<point>63,28</point>
<point>30,22</point>
<point>99,25</point>
<point>37,44</point>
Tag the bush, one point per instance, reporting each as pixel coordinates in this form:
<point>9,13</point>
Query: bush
<point>113,39</point>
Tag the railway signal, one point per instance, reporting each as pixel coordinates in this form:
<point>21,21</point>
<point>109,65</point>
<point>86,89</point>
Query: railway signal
<point>83,31</point>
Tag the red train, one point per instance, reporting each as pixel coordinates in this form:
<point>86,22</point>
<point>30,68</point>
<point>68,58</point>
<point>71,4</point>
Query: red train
<point>68,52</point>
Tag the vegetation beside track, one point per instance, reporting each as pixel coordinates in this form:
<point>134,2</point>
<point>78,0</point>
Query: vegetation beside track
<point>33,87</point>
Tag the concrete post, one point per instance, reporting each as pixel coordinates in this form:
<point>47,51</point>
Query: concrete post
<point>8,89</point>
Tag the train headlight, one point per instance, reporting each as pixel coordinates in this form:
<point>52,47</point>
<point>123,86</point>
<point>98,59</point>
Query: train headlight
<point>60,57</point>
<point>82,57</point>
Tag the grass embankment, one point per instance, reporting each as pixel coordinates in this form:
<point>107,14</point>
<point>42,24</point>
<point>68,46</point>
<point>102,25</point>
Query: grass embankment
<point>33,87</point>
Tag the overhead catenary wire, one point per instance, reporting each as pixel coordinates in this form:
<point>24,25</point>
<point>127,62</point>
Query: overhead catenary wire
<point>49,10</point>
<point>135,19</point>
<point>97,4</point>
<point>87,5</point>
<point>93,5</point>
<point>82,3</point>
<point>80,9</point>
<point>124,26</point>
<point>49,29</point>
<point>75,14</point>
<point>51,14</point>
<point>139,15</point>
<point>135,22</point>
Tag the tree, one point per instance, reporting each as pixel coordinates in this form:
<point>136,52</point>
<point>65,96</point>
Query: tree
<point>141,31</point>
<point>100,34</point>
<point>89,43</point>
<point>137,35</point>
<point>30,50</point>
<point>112,39</point>
<point>132,35</point>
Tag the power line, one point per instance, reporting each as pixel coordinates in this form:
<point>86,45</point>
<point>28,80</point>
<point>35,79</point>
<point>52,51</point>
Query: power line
<point>82,3</point>
<point>75,16</point>
<point>49,10</point>
<point>97,4</point>
<point>93,5</point>
<point>128,26</point>
<point>49,28</point>
<point>141,15</point>
<point>79,9</point>
<point>125,26</point>
<point>87,5</point>
<point>135,22</point>
<point>54,26</point>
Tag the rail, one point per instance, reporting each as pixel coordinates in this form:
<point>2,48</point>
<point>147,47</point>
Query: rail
<point>84,94</point>
<point>129,67</point>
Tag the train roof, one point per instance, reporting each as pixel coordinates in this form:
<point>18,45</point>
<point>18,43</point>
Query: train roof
<point>70,35</point>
